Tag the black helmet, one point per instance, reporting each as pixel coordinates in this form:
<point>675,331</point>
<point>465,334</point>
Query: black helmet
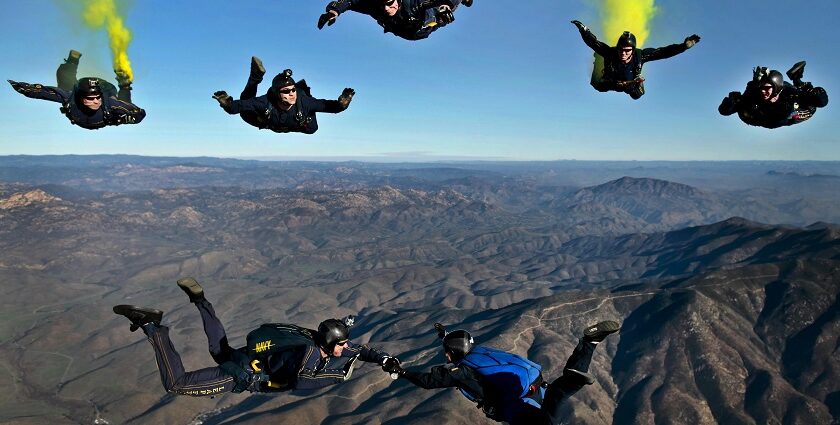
<point>330,333</point>
<point>627,39</point>
<point>282,79</point>
<point>87,86</point>
<point>458,344</point>
<point>775,79</point>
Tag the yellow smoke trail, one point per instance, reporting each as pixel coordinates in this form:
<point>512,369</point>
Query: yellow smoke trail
<point>104,13</point>
<point>618,16</point>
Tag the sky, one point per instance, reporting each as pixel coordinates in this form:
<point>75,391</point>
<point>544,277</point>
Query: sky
<point>508,80</point>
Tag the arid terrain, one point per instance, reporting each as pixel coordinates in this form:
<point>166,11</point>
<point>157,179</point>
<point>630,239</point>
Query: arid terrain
<point>725,277</point>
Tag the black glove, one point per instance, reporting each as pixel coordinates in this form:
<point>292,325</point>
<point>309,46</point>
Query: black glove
<point>691,40</point>
<point>392,365</point>
<point>759,72</point>
<point>224,99</point>
<point>327,18</point>
<point>444,15</point>
<point>19,87</point>
<point>580,26</point>
<point>346,97</point>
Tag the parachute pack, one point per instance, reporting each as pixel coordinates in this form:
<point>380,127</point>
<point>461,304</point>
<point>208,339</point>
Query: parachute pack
<point>272,338</point>
<point>507,376</point>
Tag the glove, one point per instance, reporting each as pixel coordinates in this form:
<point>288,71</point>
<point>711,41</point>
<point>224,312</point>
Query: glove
<point>122,79</point>
<point>346,97</point>
<point>392,365</point>
<point>327,18</point>
<point>444,15</point>
<point>624,83</point>
<point>19,87</point>
<point>224,99</point>
<point>580,26</point>
<point>691,40</point>
<point>759,72</point>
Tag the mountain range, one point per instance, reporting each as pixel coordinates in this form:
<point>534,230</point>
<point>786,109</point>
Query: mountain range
<point>727,297</point>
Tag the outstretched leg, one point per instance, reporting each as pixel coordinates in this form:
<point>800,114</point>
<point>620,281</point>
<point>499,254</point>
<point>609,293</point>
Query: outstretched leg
<point>66,74</point>
<point>217,341</point>
<point>576,373</point>
<point>203,382</point>
<point>250,92</point>
<point>254,79</point>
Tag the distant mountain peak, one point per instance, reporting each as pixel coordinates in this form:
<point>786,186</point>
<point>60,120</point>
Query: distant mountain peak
<point>24,199</point>
<point>646,185</point>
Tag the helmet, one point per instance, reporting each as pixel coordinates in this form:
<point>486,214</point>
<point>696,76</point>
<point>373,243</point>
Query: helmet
<point>282,79</point>
<point>87,86</point>
<point>775,79</point>
<point>458,344</point>
<point>627,39</point>
<point>330,333</point>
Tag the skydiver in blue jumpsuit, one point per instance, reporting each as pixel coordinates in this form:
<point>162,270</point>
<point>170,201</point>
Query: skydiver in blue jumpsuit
<point>407,19</point>
<point>91,103</point>
<point>507,387</point>
<point>277,358</point>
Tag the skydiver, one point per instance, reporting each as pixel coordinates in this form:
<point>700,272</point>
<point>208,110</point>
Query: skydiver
<point>287,107</point>
<point>408,19</point>
<point>770,102</point>
<point>90,102</point>
<point>623,63</point>
<point>277,357</point>
<point>507,387</point>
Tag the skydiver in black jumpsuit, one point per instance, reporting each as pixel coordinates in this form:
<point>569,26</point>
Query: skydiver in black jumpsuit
<point>623,63</point>
<point>408,19</point>
<point>489,377</point>
<point>770,102</point>
<point>91,103</point>
<point>304,360</point>
<point>288,106</point>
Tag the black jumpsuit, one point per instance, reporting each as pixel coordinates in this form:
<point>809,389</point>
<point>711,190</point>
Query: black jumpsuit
<point>302,368</point>
<point>616,73</point>
<point>114,111</point>
<point>523,413</point>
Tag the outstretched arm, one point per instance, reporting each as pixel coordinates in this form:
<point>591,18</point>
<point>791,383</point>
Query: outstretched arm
<point>653,54</point>
<point>330,106</point>
<point>128,113</point>
<point>599,47</point>
<point>443,377</point>
<point>365,352</point>
<point>234,107</point>
<point>38,91</point>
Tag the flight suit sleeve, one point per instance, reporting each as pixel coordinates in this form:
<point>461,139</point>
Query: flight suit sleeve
<point>127,113</point>
<point>342,6</point>
<point>38,91</point>
<point>365,352</point>
<point>599,47</point>
<point>445,377</point>
<point>321,105</point>
<point>247,105</point>
<point>654,54</point>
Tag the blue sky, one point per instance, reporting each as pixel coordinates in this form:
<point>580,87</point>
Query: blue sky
<point>508,80</point>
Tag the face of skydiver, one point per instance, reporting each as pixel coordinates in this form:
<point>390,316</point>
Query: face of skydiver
<point>767,92</point>
<point>92,102</point>
<point>288,95</point>
<point>339,348</point>
<point>392,7</point>
<point>625,53</point>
